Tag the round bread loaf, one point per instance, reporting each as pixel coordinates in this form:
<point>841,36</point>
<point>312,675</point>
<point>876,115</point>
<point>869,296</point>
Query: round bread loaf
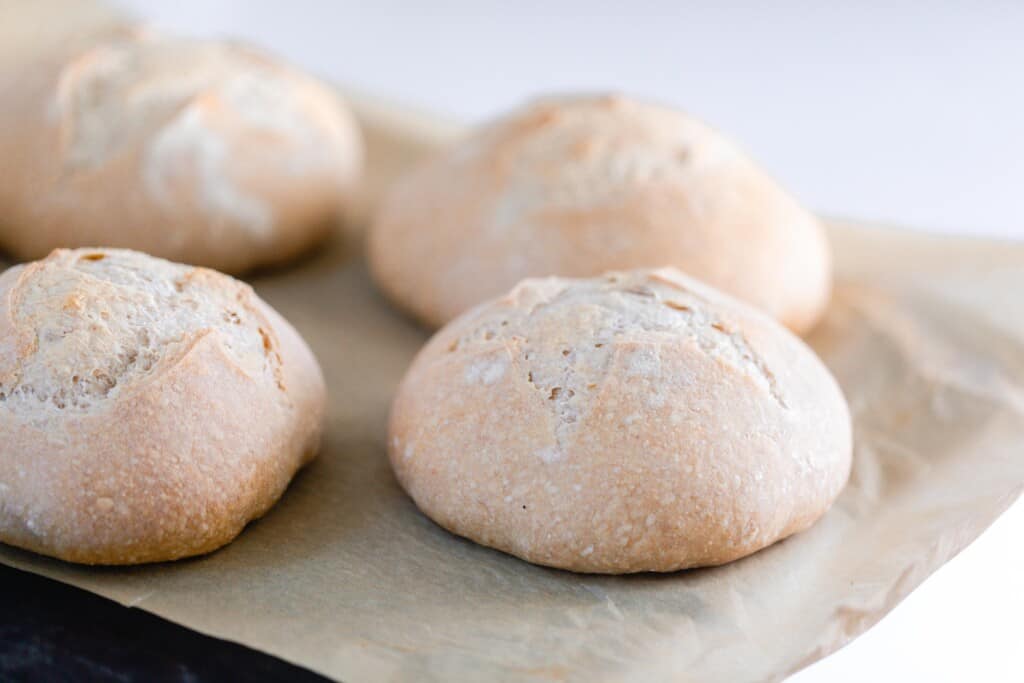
<point>148,410</point>
<point>579,186</point>
<point>639,421</point>
<point>207,153</point>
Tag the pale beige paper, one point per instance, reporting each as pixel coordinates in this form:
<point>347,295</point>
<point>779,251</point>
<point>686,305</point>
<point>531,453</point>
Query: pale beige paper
<point>30,26</point>
<point>345,577</point>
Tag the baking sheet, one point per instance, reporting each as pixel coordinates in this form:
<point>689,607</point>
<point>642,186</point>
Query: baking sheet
<point>344,576</point>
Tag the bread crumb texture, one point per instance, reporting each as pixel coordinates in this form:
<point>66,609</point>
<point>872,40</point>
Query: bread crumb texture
<point>638,421</point>
<point>149,409</point>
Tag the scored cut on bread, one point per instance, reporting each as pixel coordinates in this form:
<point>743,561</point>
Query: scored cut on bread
<point>149,410</point>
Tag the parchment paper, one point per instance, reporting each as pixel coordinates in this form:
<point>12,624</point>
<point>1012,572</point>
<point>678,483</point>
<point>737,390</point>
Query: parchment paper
<point>344,576</point>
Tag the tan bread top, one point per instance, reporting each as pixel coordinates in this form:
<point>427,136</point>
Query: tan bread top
<point>149,409</point>
<point>83,327</point>
<point>171,95</point>
<point>634,422</point>
<point>577,186</point>
<point>201,151</point>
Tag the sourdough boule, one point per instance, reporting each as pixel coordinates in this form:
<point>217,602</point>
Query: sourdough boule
<point>578,186</point>
<point>199,151</point>
<point>148,410</point>
<point>638,421</point>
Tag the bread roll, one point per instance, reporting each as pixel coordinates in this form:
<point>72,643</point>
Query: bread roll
<point>208,153</point>
<point>639,421</point>
<point>148,410</point>
<point>579,186</point>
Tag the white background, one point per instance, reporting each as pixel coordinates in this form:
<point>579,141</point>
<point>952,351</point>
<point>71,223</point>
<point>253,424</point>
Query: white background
<point>906,112</point>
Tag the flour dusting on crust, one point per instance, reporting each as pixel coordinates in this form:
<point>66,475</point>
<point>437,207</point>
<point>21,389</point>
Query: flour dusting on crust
<point>185,107</point>
<point>90,322</point>
<point>632,316</point>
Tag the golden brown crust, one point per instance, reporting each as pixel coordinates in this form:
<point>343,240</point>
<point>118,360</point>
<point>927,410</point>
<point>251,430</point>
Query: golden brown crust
<point>579,186</point>
<point>636,422</point>
<point>168,455</point>
<point>208,153</point>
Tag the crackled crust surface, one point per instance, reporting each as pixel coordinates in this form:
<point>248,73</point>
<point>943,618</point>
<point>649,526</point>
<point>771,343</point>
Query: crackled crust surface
<point>203,152</point>
<point>149,409</point>
<point>639,421</point>
<point>578,186</point>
